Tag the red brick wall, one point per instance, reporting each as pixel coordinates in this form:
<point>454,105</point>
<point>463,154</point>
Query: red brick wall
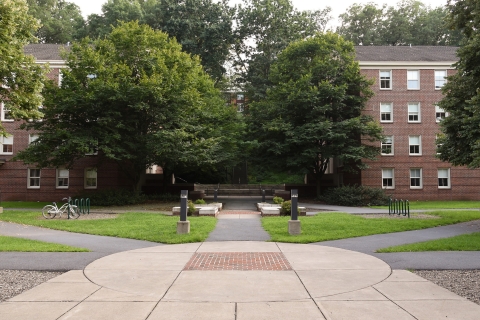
<point>465,183</point>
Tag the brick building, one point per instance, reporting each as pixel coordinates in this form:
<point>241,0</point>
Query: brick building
<point>407,83</point>
<point>407,86</point>
<point>28,183</point>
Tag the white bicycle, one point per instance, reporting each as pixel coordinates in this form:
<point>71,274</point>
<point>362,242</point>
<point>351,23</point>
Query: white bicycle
<point>50,211</point>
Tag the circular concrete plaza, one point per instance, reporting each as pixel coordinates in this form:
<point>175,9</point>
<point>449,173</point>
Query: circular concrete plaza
<point>238,280</point>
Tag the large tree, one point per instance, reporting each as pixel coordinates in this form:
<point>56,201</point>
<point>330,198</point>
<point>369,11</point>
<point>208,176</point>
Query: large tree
<point>21,80</point>
<point>61,21</point>
<point>460,143</point>
<point>139,100</point>
<point>313,111</point>
<point>263,29</point>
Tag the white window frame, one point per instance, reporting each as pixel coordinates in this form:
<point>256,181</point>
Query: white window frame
<point>437,145</point>
<point>32,138</point>
<point>2,111</point>
<point>60,77</point>
<point>410,144</point>
<point>58,177</point>
<point>419,178</point>
<point>240,97</point>
<point>30,178</point>
<point>8,140</point>
<point>414,113</point>
<point>86,183</point>
<point>413,79</point>
<point>386,176</point>
<point>439,81</point>
<point>240,107</point>
<point>386,112</point>
<point>387,142</point>
<point>447,171</point>
<point>387,80</point>
<point>438,112</point>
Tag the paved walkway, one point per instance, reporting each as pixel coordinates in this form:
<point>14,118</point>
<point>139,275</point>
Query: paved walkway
<point>238,281</point>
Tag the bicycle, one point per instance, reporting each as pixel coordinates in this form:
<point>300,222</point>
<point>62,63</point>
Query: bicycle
<point>50,211</point>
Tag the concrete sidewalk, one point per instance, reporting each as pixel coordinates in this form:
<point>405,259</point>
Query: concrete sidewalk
<point>238,280</point>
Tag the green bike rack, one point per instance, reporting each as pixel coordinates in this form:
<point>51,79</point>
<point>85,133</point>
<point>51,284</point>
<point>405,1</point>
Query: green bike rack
<point>399,207</point>
<point>83,205</point>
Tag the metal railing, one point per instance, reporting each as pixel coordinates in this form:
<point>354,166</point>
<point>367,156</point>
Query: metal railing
<point>399,207</point>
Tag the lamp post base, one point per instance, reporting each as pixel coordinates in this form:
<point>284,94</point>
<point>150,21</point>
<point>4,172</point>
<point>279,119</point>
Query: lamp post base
<point>294,227</point>
<point>183,227</point>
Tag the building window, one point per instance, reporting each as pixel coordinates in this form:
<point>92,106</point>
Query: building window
<point>386,112</point>
<point>33,178</point>
<point>440,79</point>
<point>240,107</point>
<point>415,178</point>
<point>440,114</point>
<point>388,179</point>
<point>413,112</point>
<point>90,178</point>
<point>60,77</point>
<point>443,178</point>
<point>386,79</point>
<point>6,145</point>
<point>437,145</point>
<point>5,113</point>
<point>413,79</point>
<point>62,178</point>
<point>240,97</point>
<point>387,146</point>
<point>32,138</point>
<point>415,145</point>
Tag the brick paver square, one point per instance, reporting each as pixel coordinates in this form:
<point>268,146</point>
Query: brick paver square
<point>243,261</point>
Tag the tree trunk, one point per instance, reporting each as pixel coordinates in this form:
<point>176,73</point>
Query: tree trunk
<point>318,178</point>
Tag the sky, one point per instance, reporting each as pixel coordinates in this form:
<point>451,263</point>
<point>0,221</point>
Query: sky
<point>95,6</point>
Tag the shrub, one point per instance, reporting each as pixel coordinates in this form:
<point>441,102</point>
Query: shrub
<point>277,200</point>
<point>191,208</point>
<point>113,197</point>
<point>356,196</point>
<point>200,201</point>
<point>286,208</point>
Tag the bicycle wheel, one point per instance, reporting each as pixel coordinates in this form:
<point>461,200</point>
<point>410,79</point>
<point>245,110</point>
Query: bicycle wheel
<point>49,212</point>
<point>74,212</point>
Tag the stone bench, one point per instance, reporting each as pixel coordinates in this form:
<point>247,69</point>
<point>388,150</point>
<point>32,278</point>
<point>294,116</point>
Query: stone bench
<point>270,211</point>
<point>200,210</point>
<point>218,205</point>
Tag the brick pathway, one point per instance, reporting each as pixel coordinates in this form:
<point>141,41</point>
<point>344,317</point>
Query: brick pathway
<point>243,261</point>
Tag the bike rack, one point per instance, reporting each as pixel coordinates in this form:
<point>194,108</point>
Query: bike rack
<point>399,207</point>
<point>83,205</point>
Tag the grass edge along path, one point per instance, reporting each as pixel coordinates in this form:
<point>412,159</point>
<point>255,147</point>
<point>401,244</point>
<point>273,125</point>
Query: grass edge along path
<point>13,244</point>
<point>141,226</point>
<point>334,226</point>
<point>463,242</point>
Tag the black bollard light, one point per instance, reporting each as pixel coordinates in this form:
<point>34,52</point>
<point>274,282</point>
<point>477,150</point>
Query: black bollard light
<point>215,195</point>
<point>263,195</point>
<point>294,197</point>
<point>183,205</point>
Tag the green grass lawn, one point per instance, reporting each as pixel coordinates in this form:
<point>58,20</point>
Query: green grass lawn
<point>464,242</point>
<point>332,226</point>
<point>23,204</point>
<point>142,226</point>
<point>439,205</point>
<point>25,245</point>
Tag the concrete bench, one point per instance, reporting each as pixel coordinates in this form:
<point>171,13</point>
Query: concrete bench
<point>208,211</point>
<point>270,211</point>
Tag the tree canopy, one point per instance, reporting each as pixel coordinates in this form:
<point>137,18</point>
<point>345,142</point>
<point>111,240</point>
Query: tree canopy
<point>21,80</point>
<point>409,22</point>
<point>202,27</point>
<point>263,29</point>
<point>61,21</point>
<point>312,112</point>
<point>460,143</point>
<point>137,99</point>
